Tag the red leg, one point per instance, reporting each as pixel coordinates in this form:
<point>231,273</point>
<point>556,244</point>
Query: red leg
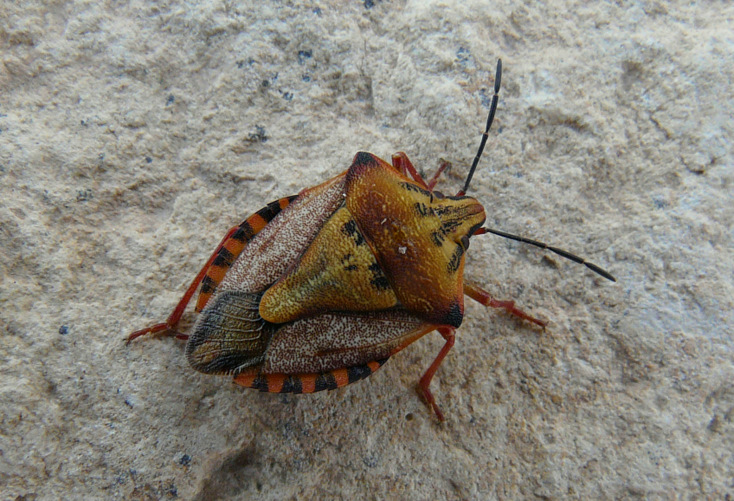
<point>483,297</point>
<point>423,391</point>
<point>405,167</point>
<point>441,168</point>
<point>170,324</point>
<point>401,162</point>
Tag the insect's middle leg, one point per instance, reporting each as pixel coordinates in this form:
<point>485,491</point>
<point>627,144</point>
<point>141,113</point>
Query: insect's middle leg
<point>403,165</point>
<point>480,295</point>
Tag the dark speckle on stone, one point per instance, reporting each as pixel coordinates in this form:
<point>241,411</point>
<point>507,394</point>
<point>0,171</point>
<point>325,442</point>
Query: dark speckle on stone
<point>148,159</point>
<point>368,4</point>
<point>259,135</point>
<point>306,77</point>
<point>303,55</point>
<point>185,460</point>
<point>370,460</point>
<point>63,330</point>
<point>485,97</point>
<point>170,99</point>
<point>84,195</point>
<point>463,54</point>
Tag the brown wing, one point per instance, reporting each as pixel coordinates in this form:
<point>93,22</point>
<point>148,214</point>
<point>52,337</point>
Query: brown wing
<point>234,245</point>
<point>230,337</point>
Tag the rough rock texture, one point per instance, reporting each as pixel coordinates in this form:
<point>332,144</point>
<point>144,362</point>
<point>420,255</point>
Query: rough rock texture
<point>133,135</point>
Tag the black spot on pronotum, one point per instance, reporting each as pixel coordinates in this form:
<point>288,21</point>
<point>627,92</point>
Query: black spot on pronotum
<point>455,314</point>
<point>364,159</point>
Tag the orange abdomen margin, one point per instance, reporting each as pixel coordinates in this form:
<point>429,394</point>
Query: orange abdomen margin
<point>234,245</point>
<point>306,383</point>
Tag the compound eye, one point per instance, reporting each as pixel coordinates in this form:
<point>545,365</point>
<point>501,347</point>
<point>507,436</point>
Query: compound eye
<point>464,241</point>
<point>439,194</point>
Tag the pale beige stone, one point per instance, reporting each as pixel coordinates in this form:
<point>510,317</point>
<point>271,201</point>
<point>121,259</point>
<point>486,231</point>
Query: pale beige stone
<point>132,136</point>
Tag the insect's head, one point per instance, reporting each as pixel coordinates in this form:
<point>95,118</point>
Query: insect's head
<point>450,220</point>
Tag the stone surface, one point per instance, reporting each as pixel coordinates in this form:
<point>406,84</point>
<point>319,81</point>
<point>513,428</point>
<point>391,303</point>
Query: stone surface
<point>133,135</point>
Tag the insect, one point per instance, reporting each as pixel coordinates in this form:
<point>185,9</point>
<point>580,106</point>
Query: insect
<point>318,290</point>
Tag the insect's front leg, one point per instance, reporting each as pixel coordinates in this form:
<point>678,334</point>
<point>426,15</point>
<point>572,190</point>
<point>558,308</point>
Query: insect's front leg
<point>481,296</point>
<point>424,383</point>
<point>169,326</point>
<point>441,167</point>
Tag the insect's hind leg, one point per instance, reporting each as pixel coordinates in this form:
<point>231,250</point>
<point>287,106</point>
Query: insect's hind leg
<point>169,326</point>
<point>481,296</point>
<point>425,381</point>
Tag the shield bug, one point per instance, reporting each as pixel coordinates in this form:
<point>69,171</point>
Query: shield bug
<point>318,290</point>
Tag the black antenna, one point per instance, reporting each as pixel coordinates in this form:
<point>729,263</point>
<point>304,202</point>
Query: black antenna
<point>558,251</point>
<point>485,134</point>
